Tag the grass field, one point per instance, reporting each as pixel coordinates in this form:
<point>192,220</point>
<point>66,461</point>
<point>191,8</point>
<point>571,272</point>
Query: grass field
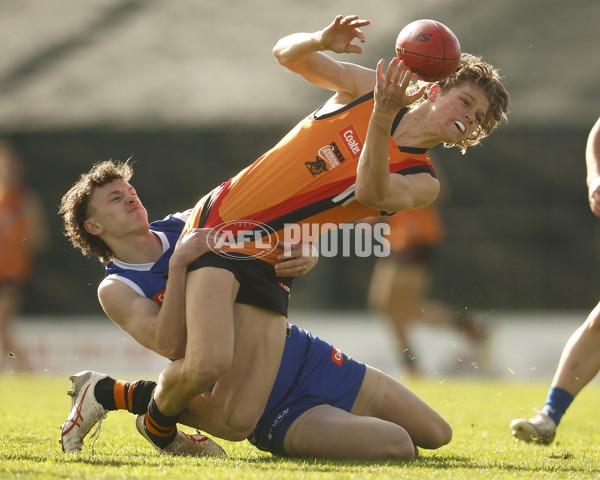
<point>33,406</point>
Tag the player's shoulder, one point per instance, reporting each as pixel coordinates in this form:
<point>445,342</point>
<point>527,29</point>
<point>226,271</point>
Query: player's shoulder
<point>118,285</point>
<point>173,222</point>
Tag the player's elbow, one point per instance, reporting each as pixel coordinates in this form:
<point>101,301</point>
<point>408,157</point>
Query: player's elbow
<point>284,50</point>
<point>277,52</point>
<point>381,202</point>
<point>168,347</point>
<point>280,54</point>
<point>369,197</point>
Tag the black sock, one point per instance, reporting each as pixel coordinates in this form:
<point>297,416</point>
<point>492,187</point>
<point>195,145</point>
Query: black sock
<point>120,395</point>
<point>160,428</point>
<point>141,396</point>
<point>104,393</point>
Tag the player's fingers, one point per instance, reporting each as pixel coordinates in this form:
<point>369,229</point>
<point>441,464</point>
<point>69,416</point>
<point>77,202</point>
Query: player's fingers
<point>291,251</point>
<point>362,23</point>
<point>353,48</point>
<point>360,35</point>
<point>289,264</point>
<point>407,76</point>
<point>379,69</point>
<point>391,70</point>
<point>288,268</point>
<point>418,94</point>
<point>398,73</point>
<point>348,19</point>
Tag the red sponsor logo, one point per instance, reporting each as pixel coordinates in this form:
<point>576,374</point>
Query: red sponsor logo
<point>285,287</point>
<point>160,296</point>
<point>337,357</point>
<point>350,138</point>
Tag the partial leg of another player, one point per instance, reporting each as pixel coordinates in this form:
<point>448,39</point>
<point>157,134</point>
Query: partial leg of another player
<point>386,421</point>
<point>10,303</point>
<point>579,364</point>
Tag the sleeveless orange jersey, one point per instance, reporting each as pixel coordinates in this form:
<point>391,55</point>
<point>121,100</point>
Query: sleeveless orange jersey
<point>414,228</point>
<point>307,178</point>
<point>15,258</point>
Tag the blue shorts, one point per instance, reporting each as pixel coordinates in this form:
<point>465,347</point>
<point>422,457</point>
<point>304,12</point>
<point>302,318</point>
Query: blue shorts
<point>312,373</point>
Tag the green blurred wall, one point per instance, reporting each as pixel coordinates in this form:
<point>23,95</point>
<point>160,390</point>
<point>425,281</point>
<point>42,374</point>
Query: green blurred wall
<point>520,233</point>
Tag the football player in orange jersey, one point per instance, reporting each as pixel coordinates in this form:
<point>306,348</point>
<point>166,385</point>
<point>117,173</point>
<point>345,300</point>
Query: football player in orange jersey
<point>460,110</point>
<point>287,391</point>
<point>23,234</point>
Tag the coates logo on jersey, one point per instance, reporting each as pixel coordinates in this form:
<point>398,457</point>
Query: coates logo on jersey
<point>247,237</point>
<point>159,296</point>
<point>351,140</point>
<point>337,357</point>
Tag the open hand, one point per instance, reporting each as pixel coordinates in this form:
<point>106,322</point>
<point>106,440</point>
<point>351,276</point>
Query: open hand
<point>390,87</point>
<point>338,36</point>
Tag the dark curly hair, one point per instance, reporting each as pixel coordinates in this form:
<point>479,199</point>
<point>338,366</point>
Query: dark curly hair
<point>74,207</point>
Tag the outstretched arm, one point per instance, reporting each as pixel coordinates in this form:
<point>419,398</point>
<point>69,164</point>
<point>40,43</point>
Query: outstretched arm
<point>592,158</point>
<point>375,186</point>
<point>302,54</point>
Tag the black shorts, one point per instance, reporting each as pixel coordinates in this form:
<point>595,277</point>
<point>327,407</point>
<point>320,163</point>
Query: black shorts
<point>258,284</point>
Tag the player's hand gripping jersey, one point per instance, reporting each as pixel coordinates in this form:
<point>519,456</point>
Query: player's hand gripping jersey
<point>307,178</point>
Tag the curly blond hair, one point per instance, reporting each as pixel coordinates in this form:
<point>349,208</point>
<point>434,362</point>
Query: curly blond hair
<point>75,203</point>
<point>472,69</point>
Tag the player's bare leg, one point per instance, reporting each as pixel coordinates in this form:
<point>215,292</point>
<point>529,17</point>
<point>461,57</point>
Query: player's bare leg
<point>388,297</point>
<point>210,295</point>
<point>387,421</point>
<point>580,359</point>
<point>330,432</point>
<point>11,355</point>
<point>579,364</point>
<point>383,397</point>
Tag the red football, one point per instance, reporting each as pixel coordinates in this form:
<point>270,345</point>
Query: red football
<point>429,48</point>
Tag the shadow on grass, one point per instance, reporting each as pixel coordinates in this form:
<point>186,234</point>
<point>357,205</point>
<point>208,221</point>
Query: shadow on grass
<point>260,460</point>
<point>325,463</point>
<point>447,462</point>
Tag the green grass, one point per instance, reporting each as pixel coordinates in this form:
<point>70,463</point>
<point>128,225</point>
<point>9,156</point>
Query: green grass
<point>33,406</point>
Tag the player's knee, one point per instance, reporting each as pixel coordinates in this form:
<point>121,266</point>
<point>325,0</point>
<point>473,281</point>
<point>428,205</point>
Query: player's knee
<point>400,448</point>
<point>440,434</point>
<point>203,372</point>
